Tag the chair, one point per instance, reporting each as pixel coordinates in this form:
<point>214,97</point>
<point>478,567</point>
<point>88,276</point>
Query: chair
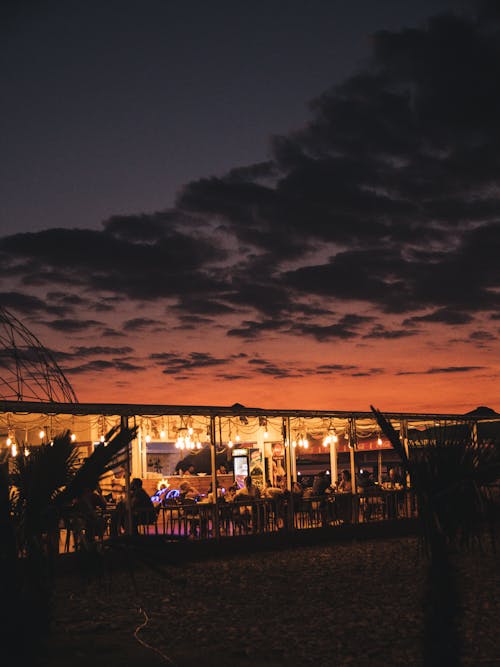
<point>143,519</point>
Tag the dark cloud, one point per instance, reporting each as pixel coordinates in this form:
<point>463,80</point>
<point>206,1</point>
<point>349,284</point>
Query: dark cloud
<point>446,369</point>
<point>28,304</point>
<point>441,316</point>
<point>251,329</point>
<point>381,332</point>
<point>71,325</point>
<point>102,365</point>
<point>344,329</point>
<point>83,351</point>
<point>367,373</point>
<point>142,324</point>
<point>173,364</point>
<point>332,369</point>
<point>270,368</point>
<point>387,199</point>
<point>108,332</point>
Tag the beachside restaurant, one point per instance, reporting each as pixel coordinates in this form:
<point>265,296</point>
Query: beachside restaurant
<point>272,469</point>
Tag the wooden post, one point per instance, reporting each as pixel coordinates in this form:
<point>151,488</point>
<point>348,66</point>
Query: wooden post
<point>128,511</point>
<point>354,486</point>
<point>403,430</point>
<point>213,459</point>
<point>333,462</point>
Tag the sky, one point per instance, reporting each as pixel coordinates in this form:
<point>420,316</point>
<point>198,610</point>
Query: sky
<point>281,204</point>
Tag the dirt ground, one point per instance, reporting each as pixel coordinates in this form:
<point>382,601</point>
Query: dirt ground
<point>356,603</point>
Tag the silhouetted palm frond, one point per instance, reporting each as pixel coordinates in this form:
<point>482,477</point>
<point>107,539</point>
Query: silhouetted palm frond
<point>103,459</point>
<point>37,480</point>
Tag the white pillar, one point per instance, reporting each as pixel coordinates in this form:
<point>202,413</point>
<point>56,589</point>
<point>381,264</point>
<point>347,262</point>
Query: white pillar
<point>333,462</point>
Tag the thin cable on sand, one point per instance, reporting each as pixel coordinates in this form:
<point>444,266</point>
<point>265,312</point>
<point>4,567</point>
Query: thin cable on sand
<point>145,644</point>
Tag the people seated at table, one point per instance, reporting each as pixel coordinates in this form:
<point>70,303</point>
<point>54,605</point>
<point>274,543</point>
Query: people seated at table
<point>160,495</point>
<point>248,490</point>
<point>321,482</point>
<point>188,492</point>
<point>366,483</point>
<point>395,480</point>
<point>272,490</point>
<point>142,509</point>
<point>231,492</point>
<point>345,484</point>
<point>211,496</point>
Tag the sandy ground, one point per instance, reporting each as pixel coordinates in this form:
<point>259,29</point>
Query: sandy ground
<point>356,603</point>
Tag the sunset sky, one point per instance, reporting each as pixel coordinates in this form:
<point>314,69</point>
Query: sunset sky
<point>281,204</point>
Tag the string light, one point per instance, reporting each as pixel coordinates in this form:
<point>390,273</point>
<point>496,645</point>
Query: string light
<point>73,437</point>
<point>41,435</point>
<point>13,449</point>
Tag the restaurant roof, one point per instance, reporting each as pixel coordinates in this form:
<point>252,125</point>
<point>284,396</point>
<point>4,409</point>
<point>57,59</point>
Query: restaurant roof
<point>235,410</point>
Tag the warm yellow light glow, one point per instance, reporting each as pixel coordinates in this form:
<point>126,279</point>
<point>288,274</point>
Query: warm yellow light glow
<point>230,444</point>
<point>102,438</point>
<point>26,451</point>
<point>162,434</point>
<point>266,434</point>
<point>41,435</point>
<point>13,449</point>
<point>73,437</point>
<point>148,438</point>
<point>8,442</point>
<point>379,440</point>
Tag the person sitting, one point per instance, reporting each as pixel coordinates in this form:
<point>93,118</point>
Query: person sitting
<point>188,492</point>
<point>345,485</point>
<point>230,494</point>
<point>222,470</point>
<point>271,490</point>
<point>210,495</point>
<point>142,507</point>
<point>395,480</point>
<point>191,470</point>
<point>320,484</point>
<point>248,490</point>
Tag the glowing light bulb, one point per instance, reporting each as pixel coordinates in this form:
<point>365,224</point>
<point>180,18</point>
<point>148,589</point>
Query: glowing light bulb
<point>379,440</point>
<point>8,442</point>
<point>73,437</point>
<point>13,449</point>
<point>41,435</point>
<point>230,443</point>
<point>294,443</point>
<point>266,434</point>
<point>26,451</point>
<point>162,434</point>
<point>237,437</point>
<point>148,438</point>
<point>102,438</point>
